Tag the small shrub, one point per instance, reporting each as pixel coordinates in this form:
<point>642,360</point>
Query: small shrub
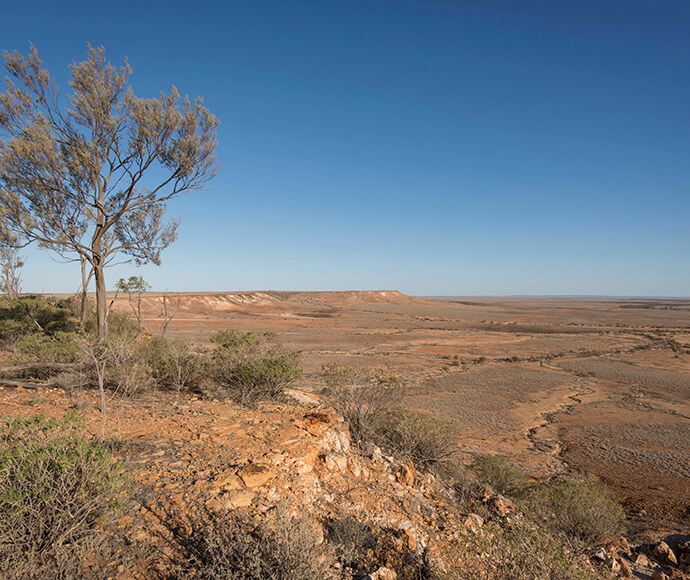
<point>463,484</point>
<point>361,548</point>
<point>428,442</point>
<point>359,394</point>
<point>55,484</point>
<point>246,367</point>
<point>61,347</point>
<point>583,511</point>
<point>29,315</point>
<point>497,473</point>
<point>255,379</point>
<point>517,551</point>
<point>237,341</point>
<point>233,547</point>
<point>352,539</point>
<point>171,362</point>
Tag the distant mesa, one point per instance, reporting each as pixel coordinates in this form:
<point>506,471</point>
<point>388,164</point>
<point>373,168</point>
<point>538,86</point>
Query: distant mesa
<point>263,301</point>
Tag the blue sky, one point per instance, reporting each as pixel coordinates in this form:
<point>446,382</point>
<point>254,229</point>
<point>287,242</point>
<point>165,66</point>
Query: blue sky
<point>459,148</point>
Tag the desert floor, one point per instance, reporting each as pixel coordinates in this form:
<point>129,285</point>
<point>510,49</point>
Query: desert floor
<point>596,386</point>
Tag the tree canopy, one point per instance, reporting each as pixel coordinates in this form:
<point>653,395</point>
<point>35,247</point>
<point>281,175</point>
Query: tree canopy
<point>91,180</point>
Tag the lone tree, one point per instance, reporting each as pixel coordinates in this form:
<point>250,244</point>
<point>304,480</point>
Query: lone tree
<point>135,286</point>
<point>92,180</point>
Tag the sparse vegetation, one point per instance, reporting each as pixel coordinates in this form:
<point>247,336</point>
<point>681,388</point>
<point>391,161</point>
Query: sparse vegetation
<point>428,442</point>
<point>361,547</point>
<point>360,394</point>
<point>583,511</point>
<point>55,486</point>
<point>230,546</point>
<point>496,472</point>
<point>516,551</point>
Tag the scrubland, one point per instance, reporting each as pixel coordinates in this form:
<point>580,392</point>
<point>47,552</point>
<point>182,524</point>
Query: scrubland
<point>346,435</point>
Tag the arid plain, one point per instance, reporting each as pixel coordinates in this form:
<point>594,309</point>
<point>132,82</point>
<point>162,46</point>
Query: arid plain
<point>589,386</point>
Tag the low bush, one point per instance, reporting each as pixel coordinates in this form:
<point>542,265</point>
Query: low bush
<point>247,367</point>
<point>360,394</point>
<point>517,551</point>
<point>583,511</point>
<point>171,362</point>
<point>428,442</point>
<point>55,486</point>
<point>496,472</point>
<point>230,546</point>
<point>31,314</point>
<point>237,341</point>
<point>61,347</point>
<point>362,548</point>
<point>254,379</point>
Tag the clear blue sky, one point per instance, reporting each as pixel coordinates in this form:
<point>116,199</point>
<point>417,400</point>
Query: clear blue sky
<point>431,147</point>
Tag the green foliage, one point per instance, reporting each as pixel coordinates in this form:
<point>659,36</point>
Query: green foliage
<point>257,378</point>
<point>246,367</point>
<point>133,284</point>
<point>61,347</point>
<point>583,511</point>
<point>236,341</point>
<point>171,362</point>
<point>496,472</point>
<point>55,484</point>
<point>517,551</point>
<point>27,314</point>
<point>121,325</point>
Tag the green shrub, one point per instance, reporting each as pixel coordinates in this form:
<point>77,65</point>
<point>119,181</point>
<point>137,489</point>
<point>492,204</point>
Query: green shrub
<point>517,551</point>
<point>583,511</point>
<point>236,340</point>
<point>29,314</point>
<point>428,442</point>
<point>61,347</point>
<point>55,485</point>
<point>246,367</point>
<point>255,379</point>
<point>212,546</point>
<point>497,473</point>
<point>171,362</point>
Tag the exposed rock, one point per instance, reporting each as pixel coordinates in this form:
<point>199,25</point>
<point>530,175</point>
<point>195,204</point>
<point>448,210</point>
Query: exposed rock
<point>406,474</point>
<point>382,573</point>
<point>238,498</point>
<point>664,553</point>
<point>474,522</point>
<point>626,571</point>
<point>642,560</point>
<point>256,475</point>
<point>500,506</point>
<point>658,575</point>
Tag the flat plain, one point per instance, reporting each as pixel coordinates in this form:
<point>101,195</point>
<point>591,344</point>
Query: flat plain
<point>596,387</point>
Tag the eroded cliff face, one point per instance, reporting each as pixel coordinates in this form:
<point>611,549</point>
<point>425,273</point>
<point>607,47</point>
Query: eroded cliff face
<point>189,454</point>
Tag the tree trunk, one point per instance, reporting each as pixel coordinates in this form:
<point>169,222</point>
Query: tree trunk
<point>84,290</point>
<point>101,306</point>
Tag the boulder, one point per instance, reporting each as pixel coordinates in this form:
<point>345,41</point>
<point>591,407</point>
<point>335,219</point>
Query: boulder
<point>256,475</point>
<point>665,554</point>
